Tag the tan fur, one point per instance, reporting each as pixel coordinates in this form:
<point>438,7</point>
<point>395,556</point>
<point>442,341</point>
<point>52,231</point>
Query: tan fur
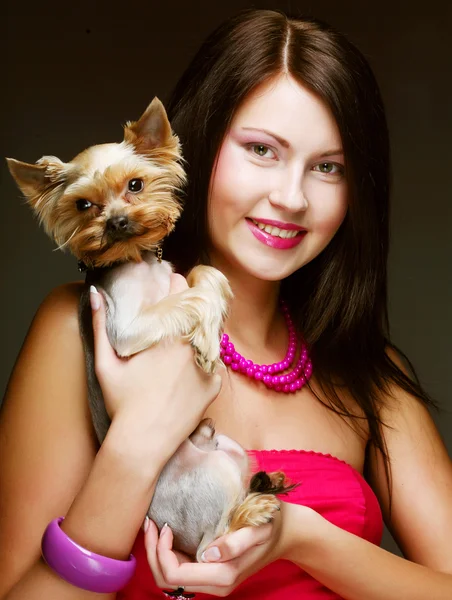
<point>254,505</point>
<point>260,504</point>
<point>101,174</point>
<point>139,317</point>
<point>257,509</point>
<point>196,315</point>
<point>53,187</point>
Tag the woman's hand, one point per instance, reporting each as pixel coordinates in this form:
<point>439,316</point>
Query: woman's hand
<point>157,391</point>
<point>241,554</point>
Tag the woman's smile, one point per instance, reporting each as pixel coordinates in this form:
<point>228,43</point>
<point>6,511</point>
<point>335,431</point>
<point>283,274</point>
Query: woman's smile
<point>275,237</point>
<point>279,176</point>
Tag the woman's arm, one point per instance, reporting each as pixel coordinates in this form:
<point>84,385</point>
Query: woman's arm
<point>104,517</point>
<point>421,520</point>
<point>356,569</point>
<point>46,443</point>
<point>48,461</point>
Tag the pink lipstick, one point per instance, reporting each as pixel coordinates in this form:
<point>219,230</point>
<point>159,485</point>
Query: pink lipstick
<point>275,241</point>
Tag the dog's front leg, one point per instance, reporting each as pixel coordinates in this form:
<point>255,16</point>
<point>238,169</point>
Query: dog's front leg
<point>196,315</point>
<point>212,293</point>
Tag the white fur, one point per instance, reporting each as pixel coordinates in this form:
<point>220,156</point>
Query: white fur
<point>106,155</point>
<point>137,322</point>
<point>135,288</point>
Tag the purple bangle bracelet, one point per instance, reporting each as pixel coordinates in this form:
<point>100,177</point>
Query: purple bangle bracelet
<point>82,568</point>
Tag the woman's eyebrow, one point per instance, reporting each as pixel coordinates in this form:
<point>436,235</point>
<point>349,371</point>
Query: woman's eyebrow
<point>332,152</point>
<point>279,139</point>
<point>286,144</point>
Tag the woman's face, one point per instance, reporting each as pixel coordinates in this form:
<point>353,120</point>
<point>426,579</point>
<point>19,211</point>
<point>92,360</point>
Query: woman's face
<point>278,193</point>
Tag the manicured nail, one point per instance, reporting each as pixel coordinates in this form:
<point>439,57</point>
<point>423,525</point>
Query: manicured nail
<point>94,298</point>
<point>164,529</point>
<point>211,555</point>
<point>146,524</point>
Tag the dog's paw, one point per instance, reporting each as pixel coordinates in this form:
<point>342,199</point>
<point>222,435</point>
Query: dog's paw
<point>205,339</point>
<point>262,510</point>
<point>127,346</point>
<point>206,362</point>
<point>255,510</point>
<point>214,283</point>
<point>127,350</point>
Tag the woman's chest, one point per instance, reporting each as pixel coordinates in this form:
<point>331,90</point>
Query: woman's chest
<point>261,419</point>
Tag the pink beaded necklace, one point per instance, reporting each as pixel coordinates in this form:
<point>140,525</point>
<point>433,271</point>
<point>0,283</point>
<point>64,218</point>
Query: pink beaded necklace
<point>268,374</point>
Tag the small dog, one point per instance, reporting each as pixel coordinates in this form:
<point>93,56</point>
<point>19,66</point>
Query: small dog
<point>111,206</point>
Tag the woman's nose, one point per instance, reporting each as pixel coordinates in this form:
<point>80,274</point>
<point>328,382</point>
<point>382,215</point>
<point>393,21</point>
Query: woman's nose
<point>289,196</point>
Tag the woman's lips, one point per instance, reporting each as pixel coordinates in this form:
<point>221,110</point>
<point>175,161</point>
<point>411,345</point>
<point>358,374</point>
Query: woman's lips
<point>273,240</point>
<point>279,224</point>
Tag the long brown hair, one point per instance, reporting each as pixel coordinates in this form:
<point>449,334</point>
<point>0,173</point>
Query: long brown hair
<point>339,299</point>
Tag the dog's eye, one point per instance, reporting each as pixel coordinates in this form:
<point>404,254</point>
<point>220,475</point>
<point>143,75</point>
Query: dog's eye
<point>83,204</point>
<point>136,185</point>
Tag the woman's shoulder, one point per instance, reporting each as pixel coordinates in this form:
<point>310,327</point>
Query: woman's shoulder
<point>61,305</point>
<point>53,335</point>
<point>421,476</point>
<point>50,365</point>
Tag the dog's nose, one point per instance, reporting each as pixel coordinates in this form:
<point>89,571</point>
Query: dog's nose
<point>117,224</point>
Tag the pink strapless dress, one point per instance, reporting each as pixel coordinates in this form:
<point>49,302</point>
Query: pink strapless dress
<point>328,485</point>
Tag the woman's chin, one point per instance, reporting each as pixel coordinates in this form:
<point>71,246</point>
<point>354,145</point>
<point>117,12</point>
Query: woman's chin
<point>263,271</point>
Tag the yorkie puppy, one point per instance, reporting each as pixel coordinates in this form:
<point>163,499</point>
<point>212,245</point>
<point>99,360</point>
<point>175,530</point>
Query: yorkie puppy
<point>111,206</point>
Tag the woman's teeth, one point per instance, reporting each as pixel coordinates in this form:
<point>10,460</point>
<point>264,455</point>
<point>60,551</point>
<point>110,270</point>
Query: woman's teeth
<point>282,233</point>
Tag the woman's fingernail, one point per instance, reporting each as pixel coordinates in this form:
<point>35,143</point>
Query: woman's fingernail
<point>146,524</point>
<point>163,529</point>
<point>94,298</point>
<point>211,555</point>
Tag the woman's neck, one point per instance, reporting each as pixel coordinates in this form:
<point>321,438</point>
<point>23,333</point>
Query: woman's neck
<point>255,318</point>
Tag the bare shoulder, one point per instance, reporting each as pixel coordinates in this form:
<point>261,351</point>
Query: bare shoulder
<point>51,347</point>
<point>60,307</point>
<point>52,339</point>
<point>421,513</point>
<point>47,444</point>
<point>405,415</point>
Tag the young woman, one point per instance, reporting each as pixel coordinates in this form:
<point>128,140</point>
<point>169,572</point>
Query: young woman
<point>285,138</point>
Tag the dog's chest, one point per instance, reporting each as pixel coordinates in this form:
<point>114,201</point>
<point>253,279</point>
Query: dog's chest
<point>131,287</point>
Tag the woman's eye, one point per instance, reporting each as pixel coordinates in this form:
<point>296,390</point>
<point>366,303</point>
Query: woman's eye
<point>135,185</point>
<point>262,151</point>
<point>329,168</point>
<point>83,204</point>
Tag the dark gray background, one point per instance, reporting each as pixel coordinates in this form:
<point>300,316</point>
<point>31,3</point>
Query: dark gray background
<point>75,72</point>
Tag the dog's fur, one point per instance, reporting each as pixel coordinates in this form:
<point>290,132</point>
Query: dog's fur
<point>111,206</point>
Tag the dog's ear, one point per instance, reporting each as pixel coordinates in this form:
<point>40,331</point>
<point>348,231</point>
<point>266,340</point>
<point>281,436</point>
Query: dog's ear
<point>36,180</point>
<point>30,178</point>
<point>152,130</point>
<point>270,483</point>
